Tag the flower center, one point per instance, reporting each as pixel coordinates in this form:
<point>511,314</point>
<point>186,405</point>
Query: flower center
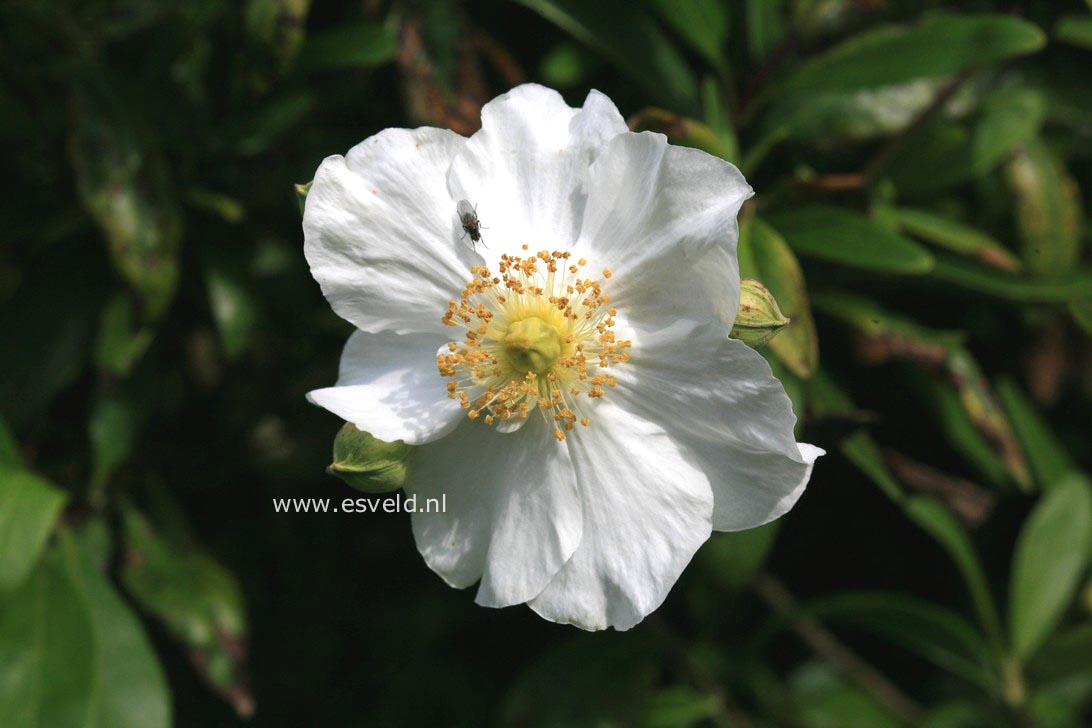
<point>539,335</point>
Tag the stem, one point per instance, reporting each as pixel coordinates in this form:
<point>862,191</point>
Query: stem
<point>823,642</point>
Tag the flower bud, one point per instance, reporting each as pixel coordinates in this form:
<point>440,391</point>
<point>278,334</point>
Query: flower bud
<point>759,318</point>
<point>369,464</point>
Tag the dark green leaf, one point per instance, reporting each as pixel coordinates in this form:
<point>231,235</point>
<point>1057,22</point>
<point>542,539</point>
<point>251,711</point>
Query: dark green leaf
<point>732,560</point>
<point>1065,653</point>
<point>1057,289</point>
<point>9,448</point>
<point>939,523</point>
<point>112,430</point>
<point>364,45</point>
<point>678,707</point>
<point>1080,308</point>
<point>824,699</point>
<point>29,508</point>
<point>1010,119</point>
<point>126,189</point>
<point>121,340</point>
<point>1047,458</point>
<point>198,601</point>
<point>764,26</point>
<point>956,236</point>
<point>701,23</point>
<point>628,36</point>
<point>929,630</point>
<point>277,27</point>
<point>845,237</point>
<point>234,308</point>
<point>1052,555</point>
<point>1076,30</point>
<point>937,46</point>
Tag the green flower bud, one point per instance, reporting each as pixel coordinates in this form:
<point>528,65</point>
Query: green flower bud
<point>369,464</point>
<point>759,318</point>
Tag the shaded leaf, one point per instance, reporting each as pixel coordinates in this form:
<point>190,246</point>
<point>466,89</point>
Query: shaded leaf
<point>939,45</point>
<point>112,430</point>
<point>1080,308</point>
<point>121,340</point>
<point>732,560</point>
<point>941,636</point>
<point>848,238</point>
<point>949,533</point>
<point>1075,30</point>
<point>1055,289</point>
<point>824,699</point>
<point>198,601</point>
<point>277,26</point>
<point>627,35</point>
<point>1047,458</point>
<point>234,307</point>
<point>764,26</point>
<point>126,190</point>
<point>681,130</point>
<point>703,24</point>
<point>1052,554</point>
<point>29,509</point>
<point>678,707</point>
<point>362,45</point>
<point>1009,119</point>
<point>956,236</point>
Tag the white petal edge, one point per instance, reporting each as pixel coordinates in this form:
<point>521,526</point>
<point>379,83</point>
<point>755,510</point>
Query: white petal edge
<point>513,511</point>
<point>388,385</point>
<point>655,214</point>
<point>647,509</point>
<point>526,168</point>
<point>720,400</point>
<point>381,233</point>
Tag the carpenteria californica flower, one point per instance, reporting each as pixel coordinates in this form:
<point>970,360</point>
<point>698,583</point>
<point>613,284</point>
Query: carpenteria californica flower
<point>568,379</point>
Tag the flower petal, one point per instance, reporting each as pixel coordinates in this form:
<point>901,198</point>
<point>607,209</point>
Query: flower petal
<point>657,215</point>
<point>381,233</point>
<point>719,399</point>
<point>647,509</point>
<point>388,385</point>
<point>513,513</point>
<point>525,169</point>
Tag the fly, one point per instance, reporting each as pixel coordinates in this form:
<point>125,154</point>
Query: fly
<point>472,226</point>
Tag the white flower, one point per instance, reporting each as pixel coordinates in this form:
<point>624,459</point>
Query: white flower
<point>571,387</point>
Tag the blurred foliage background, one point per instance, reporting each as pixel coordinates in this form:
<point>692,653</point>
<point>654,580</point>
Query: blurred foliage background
<point>922,172</point>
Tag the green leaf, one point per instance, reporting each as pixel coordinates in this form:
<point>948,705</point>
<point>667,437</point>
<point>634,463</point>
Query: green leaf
<point>1010,119</point>
<point>678,707</point>
<point>47,652</point>
<point>821,698</point>
<point>956,236</point>
<point>1075,30</point>
<point>765,256</point>
<point>936,158</point>
<point>234,307</point>
<point>1048,210</point>
<point>846,237</point>
<point>935,633</point>
<point>112,430</point>
<point>628,36</point>
<point>718,119</point>
<point>939,523</point>
<point>301,194</point>
<point>732,560</point>
<point>703,24</point>
<point>367,463</point>
<point>681,130</point>
<point>764,26</point>
<point>198,601</point>
<point>1052,554</point>
<point>277,27</point>
<point>939,45</point>
<point>126,189</point>
<point>121,340</point>
<point>9,448</point>
<point>1048,460</point>
<point>132,687</point>
<point>1054,289</point>
<point>29,509</point>
<point>1065,653</point>
<point>1080,308</point>
<point>362,45</point>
